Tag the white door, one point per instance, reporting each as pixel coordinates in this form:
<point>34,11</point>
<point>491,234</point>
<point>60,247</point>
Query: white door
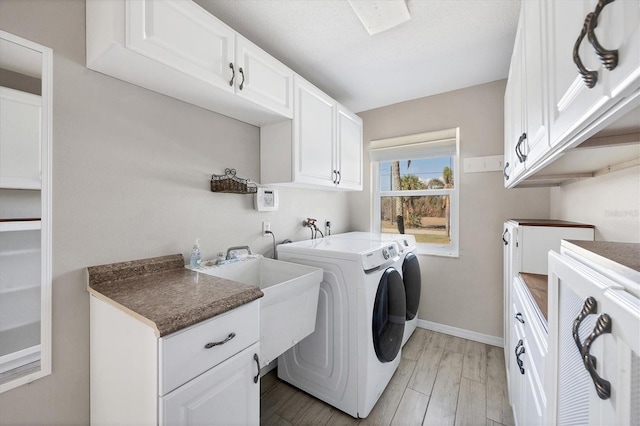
<point>606,320</point>
<point>571,102</point>
<point>314,134</point>
<point>262,79</point>
<point>183,36</point>
<point>349,158</point>
<point>227,394</point>
<point>536,116</point>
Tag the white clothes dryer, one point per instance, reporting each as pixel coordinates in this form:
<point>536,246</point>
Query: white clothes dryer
<point>410,271</point>
<point>349,359</point>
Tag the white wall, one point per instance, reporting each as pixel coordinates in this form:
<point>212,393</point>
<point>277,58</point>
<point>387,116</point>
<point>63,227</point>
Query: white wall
<point>465,292</point>
<point>130,181</point>
<point>611,202</point>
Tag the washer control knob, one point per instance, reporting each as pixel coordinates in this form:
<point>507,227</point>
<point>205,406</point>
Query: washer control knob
<point>385,253</point>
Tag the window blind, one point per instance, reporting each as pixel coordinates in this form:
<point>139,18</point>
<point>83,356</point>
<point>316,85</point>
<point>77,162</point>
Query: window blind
<point>441,143</point>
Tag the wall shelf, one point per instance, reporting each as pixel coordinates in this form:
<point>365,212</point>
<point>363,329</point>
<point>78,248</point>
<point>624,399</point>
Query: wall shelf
<point>9,225</point>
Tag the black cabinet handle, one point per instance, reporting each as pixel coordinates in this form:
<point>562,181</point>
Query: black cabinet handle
<point>603,326</point>
<point>503,234</point>
<point>222,342</point>
<point>257,360</point>
<point>519,351</point>
<point>233,73</point>
<point>339,177</point>
<point>519,317</point>
<point>521,156</point>
<point>590,307</point>
<point>609,58</point>
<point>504,172</point>
<point>589,77</point>
<point>335,176</point>
<point>242,74</point>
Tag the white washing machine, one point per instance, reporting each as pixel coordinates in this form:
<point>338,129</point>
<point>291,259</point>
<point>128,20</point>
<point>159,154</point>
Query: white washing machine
<point>410,271</point>
<point>349,359</point>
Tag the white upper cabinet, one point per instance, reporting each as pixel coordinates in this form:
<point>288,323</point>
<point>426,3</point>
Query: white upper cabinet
<point>20,139</point>
<point>314,135</point>
<point>262,79</point>
<point>183,36</point>
<point>177,48</point>
<point>320,148</point>
<point>579,67</point>
<point>349,150</point>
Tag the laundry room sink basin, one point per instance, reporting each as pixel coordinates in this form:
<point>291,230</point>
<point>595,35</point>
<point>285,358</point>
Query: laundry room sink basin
<point>288,308</point>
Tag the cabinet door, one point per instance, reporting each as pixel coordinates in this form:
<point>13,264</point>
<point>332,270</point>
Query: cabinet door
<point>349,152</point>
<point>513,107</point>
<point>575,289</point>
<point>262,79</point>
<point>509,240</point>
<point>572,103</point>
<point>183,36</point>
<point>314,134</point>
<point>20,136</point>
<point>619,29</point>
<point>536,143</point>
<point>225,395</point>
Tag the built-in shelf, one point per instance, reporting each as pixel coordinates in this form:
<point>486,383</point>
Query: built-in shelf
<point>9,225</point>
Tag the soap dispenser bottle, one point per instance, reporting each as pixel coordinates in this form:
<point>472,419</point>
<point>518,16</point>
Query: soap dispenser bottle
<point>195,255</point>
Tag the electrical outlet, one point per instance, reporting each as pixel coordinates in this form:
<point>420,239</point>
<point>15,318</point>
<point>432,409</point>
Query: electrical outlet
<point>327,227</point>
<point>266,226</point>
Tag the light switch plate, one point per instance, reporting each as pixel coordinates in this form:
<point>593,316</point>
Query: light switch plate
<point>491,163</point>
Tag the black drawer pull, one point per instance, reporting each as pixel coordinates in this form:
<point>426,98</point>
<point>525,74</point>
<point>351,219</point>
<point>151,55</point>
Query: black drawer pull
<point>519,317</point>
<point>222,342</point>
<point>589,77</point>
<point>603,387</point>
<point>257,360</point>
<point>519,351</point>
<point>609,58</point>
<point>590,307</point>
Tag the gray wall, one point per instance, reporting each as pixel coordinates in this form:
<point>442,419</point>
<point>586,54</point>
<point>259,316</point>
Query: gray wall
<point>130,180</point>
<point>610,202</point>
<point>465,292</point>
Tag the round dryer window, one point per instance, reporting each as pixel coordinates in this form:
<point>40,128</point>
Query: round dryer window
<point>412,284</point>
<point>389,312</point>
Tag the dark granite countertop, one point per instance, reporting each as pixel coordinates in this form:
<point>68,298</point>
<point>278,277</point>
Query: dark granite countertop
<point>164,294</point>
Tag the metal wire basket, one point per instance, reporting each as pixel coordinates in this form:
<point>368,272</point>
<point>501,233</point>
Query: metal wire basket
<point>231,183</point>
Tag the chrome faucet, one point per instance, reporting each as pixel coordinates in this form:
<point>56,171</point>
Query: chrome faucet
<point>230,249</point>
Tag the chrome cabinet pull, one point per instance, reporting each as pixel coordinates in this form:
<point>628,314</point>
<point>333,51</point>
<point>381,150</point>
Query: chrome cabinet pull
<point>603,387</point>
<point>589,77</point>
<point>521,156</point>
<point>242,82</point>
<point>233,73</point>
<point>504,172</point>
<point>257,360</point>
<point>609,58</point>
<point>590,307</point>
<point>503,234</point>
<point>519,351</point>
<point>222,342</point>
<point>519,317</point>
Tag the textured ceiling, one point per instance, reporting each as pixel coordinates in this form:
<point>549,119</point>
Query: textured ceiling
<point>447,45</point>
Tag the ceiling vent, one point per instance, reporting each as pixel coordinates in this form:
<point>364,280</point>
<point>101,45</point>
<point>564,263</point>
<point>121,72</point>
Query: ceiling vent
<point>380,15</point>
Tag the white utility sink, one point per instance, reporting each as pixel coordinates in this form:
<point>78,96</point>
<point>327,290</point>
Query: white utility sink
<point>288,308</point>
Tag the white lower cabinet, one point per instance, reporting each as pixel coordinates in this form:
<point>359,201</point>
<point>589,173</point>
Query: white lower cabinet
<point>593,369</point>
<point>205,374</point>
<point>528,351</point>
<point>225,395</point>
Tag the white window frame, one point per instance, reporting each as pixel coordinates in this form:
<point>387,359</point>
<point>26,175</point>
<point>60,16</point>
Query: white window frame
<point>424,151</point>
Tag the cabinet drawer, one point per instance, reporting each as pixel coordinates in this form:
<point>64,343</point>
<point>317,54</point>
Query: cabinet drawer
<point>532,327</point>
<point>183,355</point>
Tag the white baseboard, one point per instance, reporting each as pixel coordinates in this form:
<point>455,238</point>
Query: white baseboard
<point>461,332</point>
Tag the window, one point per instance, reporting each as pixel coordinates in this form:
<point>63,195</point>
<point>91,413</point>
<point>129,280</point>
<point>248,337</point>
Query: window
<point>416,187</point>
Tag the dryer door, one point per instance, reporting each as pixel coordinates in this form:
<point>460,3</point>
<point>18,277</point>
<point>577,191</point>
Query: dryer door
<point>389,312</point>
<point>412,284</point>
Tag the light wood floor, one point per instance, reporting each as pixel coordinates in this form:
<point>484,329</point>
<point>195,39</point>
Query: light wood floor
<point>441,380</point>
